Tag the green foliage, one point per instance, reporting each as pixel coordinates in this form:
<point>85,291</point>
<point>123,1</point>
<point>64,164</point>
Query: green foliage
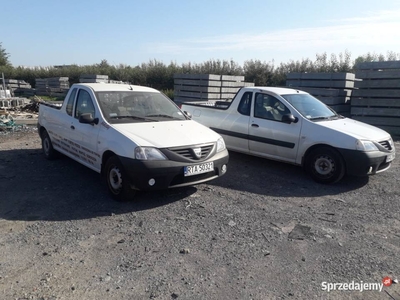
<point>169,93</point>
<point>160,76</point>
<point>4,57</point>
<point>377,57</point>
<point>258,72</point>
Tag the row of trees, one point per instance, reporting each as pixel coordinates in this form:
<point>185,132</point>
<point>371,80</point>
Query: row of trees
<point>160,76</point>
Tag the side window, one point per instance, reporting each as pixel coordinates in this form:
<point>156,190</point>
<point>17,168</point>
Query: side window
<point>70,103</point>
<point>84,104</point>
<point>245,104</point>
<point>269,107</point>
<point>279,110</point>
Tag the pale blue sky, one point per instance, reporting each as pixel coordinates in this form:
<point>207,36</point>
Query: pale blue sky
<point>53,32</point>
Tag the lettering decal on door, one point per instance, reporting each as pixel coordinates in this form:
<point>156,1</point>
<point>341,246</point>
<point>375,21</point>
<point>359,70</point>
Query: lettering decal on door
<point>74,149</point>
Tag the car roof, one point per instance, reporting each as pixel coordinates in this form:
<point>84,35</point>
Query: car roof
<point>276,90</point>
<point>107,87</point>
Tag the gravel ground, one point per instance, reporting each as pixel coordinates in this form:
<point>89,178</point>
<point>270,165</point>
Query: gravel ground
<point>263,231</point>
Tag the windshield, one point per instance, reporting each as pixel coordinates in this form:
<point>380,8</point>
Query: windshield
<point>133,106</point>
<point>310,107</point>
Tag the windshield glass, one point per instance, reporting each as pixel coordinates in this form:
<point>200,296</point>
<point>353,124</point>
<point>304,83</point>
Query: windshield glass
<point>310,107</point>
<point>133,106</point>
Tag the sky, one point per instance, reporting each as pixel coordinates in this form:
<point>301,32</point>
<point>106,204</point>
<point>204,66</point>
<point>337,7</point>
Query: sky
<point>129,32</point>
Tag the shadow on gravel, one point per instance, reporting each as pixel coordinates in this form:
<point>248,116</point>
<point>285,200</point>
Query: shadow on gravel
<point>262,176</point>
<point>33,188</point>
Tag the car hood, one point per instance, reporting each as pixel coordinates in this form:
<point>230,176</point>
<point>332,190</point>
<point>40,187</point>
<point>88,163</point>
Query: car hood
<point>167,134</point>
<point>356,129</point>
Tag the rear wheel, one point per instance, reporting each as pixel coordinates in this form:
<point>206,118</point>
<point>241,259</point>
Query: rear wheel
<point>117,181</point>
<point>47,146</point>
<point>325,165</point>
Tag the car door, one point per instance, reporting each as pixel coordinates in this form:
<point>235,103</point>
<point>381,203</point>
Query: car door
<point>268,135</point>
<point>58,120</point>
<point>235,127</point>
<point>83,138</point>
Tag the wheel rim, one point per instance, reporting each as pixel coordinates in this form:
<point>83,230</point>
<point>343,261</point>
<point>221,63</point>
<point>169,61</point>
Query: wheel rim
<point>115,179</point>
<point>324,165</point>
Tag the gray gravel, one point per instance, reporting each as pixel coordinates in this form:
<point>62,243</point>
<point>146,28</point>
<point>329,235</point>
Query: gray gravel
<point>263,231</point>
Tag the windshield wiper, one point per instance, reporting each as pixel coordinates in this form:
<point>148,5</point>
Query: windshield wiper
<point>161,116</point>
<point>131,117</point>
<point>323,118</point>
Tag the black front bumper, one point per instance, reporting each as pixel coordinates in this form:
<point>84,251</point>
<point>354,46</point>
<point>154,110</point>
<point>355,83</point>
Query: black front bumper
<point>360,163</point>
<point>168,173</point>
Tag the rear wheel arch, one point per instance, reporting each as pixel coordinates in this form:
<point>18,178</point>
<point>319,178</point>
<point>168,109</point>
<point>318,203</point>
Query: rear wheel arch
<point>47,146</point>
<point>41,130</point>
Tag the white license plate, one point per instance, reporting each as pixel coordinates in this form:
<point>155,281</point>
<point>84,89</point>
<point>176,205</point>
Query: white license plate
<point>390,157</point>
<point>199,169</point>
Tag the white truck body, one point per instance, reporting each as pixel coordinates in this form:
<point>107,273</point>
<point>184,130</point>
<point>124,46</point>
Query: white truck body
<point>292,126</point>
<point>153,145</point>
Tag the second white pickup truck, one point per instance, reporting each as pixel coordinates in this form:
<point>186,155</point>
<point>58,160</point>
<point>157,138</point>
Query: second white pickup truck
<point>292,126</point>
<point>135,136</point>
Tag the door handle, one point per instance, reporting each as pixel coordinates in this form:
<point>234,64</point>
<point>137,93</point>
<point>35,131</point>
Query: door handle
<point>72,127</point>
<point>254,125</point>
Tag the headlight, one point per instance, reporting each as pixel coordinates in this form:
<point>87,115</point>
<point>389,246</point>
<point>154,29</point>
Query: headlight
<point>391,143</point>
<point>366,146</point>
<point>148,153</point>
<point>220,145</point>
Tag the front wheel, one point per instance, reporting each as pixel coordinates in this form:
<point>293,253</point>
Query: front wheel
<point>325,165</point>
<point>117,181</point>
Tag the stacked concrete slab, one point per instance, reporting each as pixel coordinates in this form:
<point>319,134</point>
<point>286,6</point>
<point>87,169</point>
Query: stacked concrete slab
<point>54,86</point>
<point>13,102</point>
<point>93,78</point>
<point>377,99</point>
<point>333,89</point>
<point>207,87</point>
<point>19,87</point>
<point>5,94</point>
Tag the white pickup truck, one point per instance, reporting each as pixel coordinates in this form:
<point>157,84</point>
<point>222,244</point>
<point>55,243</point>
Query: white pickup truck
<point>292,126</point>
<point>135,136</point>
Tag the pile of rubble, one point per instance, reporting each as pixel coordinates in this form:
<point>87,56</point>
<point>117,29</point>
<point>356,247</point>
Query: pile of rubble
<point>16,117</point>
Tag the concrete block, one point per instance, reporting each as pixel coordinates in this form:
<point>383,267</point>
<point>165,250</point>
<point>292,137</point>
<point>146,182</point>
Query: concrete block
<point>196,95</point>
<point>94,76</point>
<point>232,78</point>
<point>199,89</point>
<point>378,65</point>
<point>198,76</point>
<point>321,76</point>
<point>199,82</point>
<point>340,84</point>
<point>376,93</point>
<point>378,84</point>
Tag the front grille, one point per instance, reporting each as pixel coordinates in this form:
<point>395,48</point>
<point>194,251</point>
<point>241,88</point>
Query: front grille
<point>190,152</point>
<point>386,145</point>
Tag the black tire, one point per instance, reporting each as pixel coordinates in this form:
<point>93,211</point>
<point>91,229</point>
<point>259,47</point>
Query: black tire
<point>117,181</point>
<point>325,165</point>
<point>47,147</point>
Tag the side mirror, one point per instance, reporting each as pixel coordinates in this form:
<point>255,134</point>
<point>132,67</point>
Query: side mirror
<point>88,119</point>
<point>188,114</point>
<point>289,118</point>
